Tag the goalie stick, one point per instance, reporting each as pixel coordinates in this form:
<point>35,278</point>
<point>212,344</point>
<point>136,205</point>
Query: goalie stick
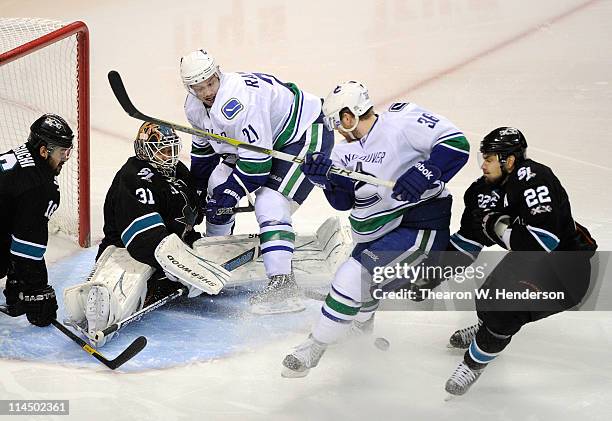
<point>122,96</point>
<point>134,348</point>
<point>230,265</point>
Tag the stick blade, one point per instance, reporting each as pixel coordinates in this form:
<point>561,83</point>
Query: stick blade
<point>114,78</point>
<point>131,351</point>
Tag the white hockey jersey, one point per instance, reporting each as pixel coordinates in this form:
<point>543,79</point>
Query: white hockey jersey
<point>401,137</point>
<point>254,108</point>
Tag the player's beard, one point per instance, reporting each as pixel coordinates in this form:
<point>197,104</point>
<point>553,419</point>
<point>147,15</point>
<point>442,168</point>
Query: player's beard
<point>58,169</point>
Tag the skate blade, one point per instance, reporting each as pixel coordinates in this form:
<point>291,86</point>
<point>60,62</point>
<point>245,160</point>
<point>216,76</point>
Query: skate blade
<point>291,305</point>
<point>314,294</point>
<point>449,346</point>
<point>288,373</point>
<point>449,397</point>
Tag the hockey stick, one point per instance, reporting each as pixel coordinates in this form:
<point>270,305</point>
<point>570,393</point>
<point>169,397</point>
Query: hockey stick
<point>232,264</point>
<point>121,94</point>
<point>135,347</point>
<point>231,211</point>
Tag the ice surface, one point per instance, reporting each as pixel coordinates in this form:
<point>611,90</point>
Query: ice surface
<point>542,66</point>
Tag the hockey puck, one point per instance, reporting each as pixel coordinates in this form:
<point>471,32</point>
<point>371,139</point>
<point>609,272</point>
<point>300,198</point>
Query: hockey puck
<point>382,344</point>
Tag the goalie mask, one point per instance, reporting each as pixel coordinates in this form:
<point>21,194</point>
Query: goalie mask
<point>160,145</point>
<point>351,95</point>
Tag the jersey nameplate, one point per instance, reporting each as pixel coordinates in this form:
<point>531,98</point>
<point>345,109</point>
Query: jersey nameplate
<point>23,156</point>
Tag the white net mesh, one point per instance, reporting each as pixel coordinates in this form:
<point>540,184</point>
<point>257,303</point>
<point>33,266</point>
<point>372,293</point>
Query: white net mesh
<point>43,81</point>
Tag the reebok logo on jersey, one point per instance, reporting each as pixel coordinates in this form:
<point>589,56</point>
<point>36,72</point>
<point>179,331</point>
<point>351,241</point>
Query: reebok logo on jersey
<point>427,173</point>
<point>371,255</point>
<point>231,108</point>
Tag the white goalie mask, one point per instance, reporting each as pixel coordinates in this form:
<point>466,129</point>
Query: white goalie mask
<point>352,95</point>
<point>160,145</point>
<point>197,67</point>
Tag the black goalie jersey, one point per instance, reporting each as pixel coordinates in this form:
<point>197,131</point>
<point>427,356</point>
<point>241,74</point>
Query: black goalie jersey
<point>142,207</point>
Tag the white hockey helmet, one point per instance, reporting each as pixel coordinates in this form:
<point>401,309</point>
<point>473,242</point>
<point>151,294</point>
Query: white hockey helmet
<point>198,66</point>
<point>352,95</point>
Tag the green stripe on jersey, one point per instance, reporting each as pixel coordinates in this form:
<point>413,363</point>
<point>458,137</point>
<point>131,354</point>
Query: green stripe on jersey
<point>372,224</point>
<point>255,168</point>
<point>459,142</point>
<point>206,150</point>
<point>276,235</point>
<point>289,131</point>
<point>340,308</point>
<point>314,137</point>
<point>420,250</point>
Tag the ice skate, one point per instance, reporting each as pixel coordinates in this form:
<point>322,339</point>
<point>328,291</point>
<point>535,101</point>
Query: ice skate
<point>462,379</point>
<point>304,357</point>
<point>462,338</point>
<point>361,329</point>
<point>281,295</point>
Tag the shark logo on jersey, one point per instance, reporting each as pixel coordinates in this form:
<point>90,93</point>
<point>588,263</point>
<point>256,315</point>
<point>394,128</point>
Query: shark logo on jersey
<point>231,108</point>
<point>188,218</point>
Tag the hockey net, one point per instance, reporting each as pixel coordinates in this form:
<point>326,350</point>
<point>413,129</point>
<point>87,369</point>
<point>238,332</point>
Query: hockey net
<point>44,68</point>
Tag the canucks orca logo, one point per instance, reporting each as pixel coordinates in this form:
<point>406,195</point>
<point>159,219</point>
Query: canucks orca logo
<point>231,108</point>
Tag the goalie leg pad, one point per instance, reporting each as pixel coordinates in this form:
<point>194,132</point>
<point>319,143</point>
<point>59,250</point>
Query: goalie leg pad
<point>115,290</point>
<point>183,264</point>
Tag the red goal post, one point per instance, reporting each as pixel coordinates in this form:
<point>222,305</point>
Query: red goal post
<point>44,68</point>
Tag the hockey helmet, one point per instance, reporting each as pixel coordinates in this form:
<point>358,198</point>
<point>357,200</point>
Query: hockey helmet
<point>159,145</point>
<point>505,141</point>
<point>50,130</point>
<point>198,66</point>
<point>352,95</point>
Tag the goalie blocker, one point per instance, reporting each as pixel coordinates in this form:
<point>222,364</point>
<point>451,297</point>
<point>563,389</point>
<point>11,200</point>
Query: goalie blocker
<point>118,284</point>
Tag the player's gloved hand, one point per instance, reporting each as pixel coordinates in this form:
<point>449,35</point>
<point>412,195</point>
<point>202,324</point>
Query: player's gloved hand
<point>225,196</point>
<point>202,199</point>
<point>12,292</point>
<point>474,227</point>
<point>316,168</point>
<point>494,224</point>
<point>40,305</point>
<point>413,183</point>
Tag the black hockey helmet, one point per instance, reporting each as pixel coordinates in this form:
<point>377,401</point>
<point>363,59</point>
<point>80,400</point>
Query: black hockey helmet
<point>505,141</point>
<point>50,130</point>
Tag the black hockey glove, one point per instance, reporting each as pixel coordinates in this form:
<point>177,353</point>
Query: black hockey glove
<point>40,305</point>
<point>12,292</point>
<point>475,227</point>
<point>493,226</point>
